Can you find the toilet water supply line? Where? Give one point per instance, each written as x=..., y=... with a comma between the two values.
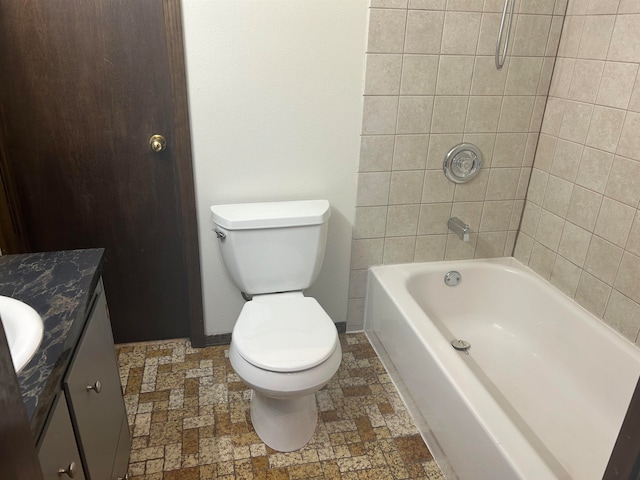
x=502, y=57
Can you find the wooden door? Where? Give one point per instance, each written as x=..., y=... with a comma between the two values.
x=84, y=84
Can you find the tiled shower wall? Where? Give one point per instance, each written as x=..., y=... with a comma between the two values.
x=430, y=84
x=581, y=223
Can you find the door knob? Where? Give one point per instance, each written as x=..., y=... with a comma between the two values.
x=157, y=143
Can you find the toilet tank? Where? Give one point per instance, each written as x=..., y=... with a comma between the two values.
x=275, y=246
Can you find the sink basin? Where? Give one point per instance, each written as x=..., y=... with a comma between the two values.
x=23, y=328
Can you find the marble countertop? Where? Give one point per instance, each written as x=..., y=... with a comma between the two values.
x=59, y=286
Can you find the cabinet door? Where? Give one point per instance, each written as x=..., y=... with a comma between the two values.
x=58, y=449
x=94, y=392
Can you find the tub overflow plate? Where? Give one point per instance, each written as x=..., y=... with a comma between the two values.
x=452, y=278
x=461, y=345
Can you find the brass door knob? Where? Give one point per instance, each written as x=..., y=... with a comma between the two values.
x=157, y=143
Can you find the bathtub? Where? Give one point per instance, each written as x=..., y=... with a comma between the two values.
x=541, y=392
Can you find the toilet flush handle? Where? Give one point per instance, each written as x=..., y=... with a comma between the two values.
x=220, y=234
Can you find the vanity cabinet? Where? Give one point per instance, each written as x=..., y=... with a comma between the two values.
x=58, y=453
x=93, y=394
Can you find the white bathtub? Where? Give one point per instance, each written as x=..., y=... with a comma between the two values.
x=543, y=390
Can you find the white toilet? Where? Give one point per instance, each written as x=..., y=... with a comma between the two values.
x=284, y=345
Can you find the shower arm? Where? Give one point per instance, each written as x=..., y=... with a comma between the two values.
x=501, y=58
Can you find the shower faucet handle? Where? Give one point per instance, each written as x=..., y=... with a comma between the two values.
x=459, y=228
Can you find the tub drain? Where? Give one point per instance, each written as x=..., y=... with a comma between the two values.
x=461, y=345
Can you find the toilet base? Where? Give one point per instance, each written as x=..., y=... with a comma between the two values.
x=284, y=424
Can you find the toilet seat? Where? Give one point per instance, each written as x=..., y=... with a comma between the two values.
x=284, y=332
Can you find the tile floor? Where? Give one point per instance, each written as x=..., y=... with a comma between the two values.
x=190, y=420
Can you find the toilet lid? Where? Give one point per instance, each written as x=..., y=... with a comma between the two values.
x=286, y=334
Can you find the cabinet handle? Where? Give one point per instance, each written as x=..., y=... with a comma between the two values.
x=70, y=470
x=96, y=387
x=126, y=477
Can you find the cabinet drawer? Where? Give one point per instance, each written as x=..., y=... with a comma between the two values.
x=95, y=395
x=58, y=449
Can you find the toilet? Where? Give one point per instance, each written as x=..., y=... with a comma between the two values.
x=284, y=345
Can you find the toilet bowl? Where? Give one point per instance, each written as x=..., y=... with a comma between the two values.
x=287, y=368
x=284, y=345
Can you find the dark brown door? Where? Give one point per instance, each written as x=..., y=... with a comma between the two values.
x=84, y=84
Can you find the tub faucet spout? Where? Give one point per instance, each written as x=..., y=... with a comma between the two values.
x=459, y=228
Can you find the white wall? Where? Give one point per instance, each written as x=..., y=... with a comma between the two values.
x=275, y=98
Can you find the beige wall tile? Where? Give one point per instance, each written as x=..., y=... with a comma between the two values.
x=379, y=115
x=553, y=116
x=469, y=212
x=436, y=187
x=629, y=6
x=538, y=6
x=606, y=125
x=424, y=31
x=575, y=121
x=490, y=244
x=601, y=7
x=523, y=76
x=376, y=153
x=603, y=259
x=574, y=243
x=625, y=41
x=399, y=249
x=382, y=76
x=433, y=218
x=461, y=41
x=515, y=115
x=565, y=276
x=496, y=216
x=459, y=250
x=486, y=79
x=593, y=171
x=388, y=3
x=593, y=294
x=571, y=34
x=622, y=184
x=357, y=283
x=489, y=27
x=419, y=75
x=554, y=36
x=531, y=35
x=439, y=145
x=628, y=278
x=503, y=183
x=454, y=75
x=584, y=207
x=410, y=152
x=430, y=248
x=406, y=187
x=562, y=75
x=546, y=75
x=545, y=152
x=414, y=114
x=634, y=103
x=465, y=5
x=549, y=230
x=623, y=314
x=557, y=196
x=542, y=260
x=522, y=250
x=370, y=222
x=509, y=150
x=586, y=80
x=617, y=84
x=366, y=252
x=629, y=145
x=473, y=191
x=614, y=222
x=566, y=159
x=483, y=114
x=428, y=4
x=373, y=188
x=449, y=114
x=633, y=243
x=537, y=186
x=386, y=30
x=402, y=220
x=596, y=35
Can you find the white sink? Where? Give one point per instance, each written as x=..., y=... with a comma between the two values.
x=23, y=328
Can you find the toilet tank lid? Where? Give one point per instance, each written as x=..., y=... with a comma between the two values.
x=244, y=216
